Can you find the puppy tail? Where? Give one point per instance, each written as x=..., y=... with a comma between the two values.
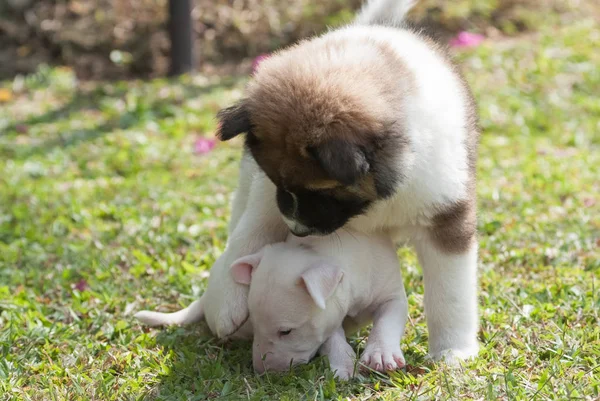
x=384, y=12
x=192, y=314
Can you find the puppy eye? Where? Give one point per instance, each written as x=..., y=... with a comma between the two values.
x=284, y=332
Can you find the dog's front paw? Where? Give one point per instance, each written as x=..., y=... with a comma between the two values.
x=226, y=303
x=344, y=369
x=232, y=315
x=383, y=358
x=454, y=356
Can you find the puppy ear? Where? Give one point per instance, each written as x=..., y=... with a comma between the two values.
x=321, y=280
x=233, y=121
x=342, y=160
x=241, y=269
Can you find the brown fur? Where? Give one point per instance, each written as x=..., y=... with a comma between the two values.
x=473, y=129
x=292, y=109
x=356, y=97
x=454, y=228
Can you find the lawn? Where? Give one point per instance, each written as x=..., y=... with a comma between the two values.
x=107, y=208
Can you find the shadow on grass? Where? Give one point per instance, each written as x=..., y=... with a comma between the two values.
x=80, y=101
x=201, y=367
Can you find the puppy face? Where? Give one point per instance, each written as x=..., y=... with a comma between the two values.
x=290, y=315
x=326, y=134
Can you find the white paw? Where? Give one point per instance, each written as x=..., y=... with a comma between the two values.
x=226, y=306
x=231, y=317
x=343, y=370
x=453, y=356
x=383, y=358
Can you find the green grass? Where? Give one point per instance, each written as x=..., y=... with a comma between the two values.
x=105, y=210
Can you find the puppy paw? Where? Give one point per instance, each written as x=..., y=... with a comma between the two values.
x=226, y=306
x=343, y=370
x=453, y=356
x=383, y=358
x=232, y=316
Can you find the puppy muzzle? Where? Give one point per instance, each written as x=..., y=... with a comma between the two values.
x=299, y=229
x=278, y=361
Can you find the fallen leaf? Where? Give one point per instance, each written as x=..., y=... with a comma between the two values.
x=23, y=51
x=5, y=95
x=415, y=370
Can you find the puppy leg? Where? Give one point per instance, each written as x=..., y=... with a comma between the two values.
x=340, y=354
x=450, y=300
x=383, y=352
x=226, y=306
x=248, y=170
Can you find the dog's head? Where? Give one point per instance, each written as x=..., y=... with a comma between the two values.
x=325, y=131
x=290, y=287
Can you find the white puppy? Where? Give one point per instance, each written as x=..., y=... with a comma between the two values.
x=304, y=292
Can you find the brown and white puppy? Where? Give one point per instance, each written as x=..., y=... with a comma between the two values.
x=368, y=127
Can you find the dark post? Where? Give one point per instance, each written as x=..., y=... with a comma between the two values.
x=181, y=35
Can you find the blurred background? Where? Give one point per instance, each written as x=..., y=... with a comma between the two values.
x=107, y=39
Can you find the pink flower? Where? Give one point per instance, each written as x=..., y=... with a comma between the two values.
x=466, y=39
x=259, y=59
x=81, y=285
x=204, y=145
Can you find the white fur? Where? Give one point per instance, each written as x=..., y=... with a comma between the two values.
x=192, y=314
x=260, y=224
x=436, y=175
x=345, y=275
x=450, y=301
x=340, y=354
x=437, y=169
x=296, y=226
x=392, y=11
x=248, y=171
x=310, y=285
